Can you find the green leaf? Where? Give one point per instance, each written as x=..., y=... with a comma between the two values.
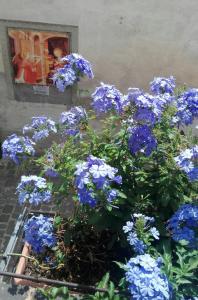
x=122, y=195
x=111, y=290
x=193, y=264
x=120, y=265
x=184, y=281
x=54, y=292
x=103, y=283
x=57, y=221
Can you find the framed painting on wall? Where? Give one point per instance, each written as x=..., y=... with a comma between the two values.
x=35, y=55
x=32, y=52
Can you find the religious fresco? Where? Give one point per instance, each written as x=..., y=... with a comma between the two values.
x=35, y=55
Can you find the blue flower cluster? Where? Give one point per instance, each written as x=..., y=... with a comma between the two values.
x=70, y=121
x=188, y=162
x=161, y=85
x=41, y=127
x=145, y=279
x=64, y=77
x=80, y=64
x=187, y=107
x=142, y=140
x=148, y=112
x=149, y=107
x=95, y=175
x=33, y=189
x=140, y=232
x=184, y=223
x=107, y=98
x=39, y=233
x=17, y=148
x=76, y=66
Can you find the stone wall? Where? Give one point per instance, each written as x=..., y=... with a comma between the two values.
x=129, y=42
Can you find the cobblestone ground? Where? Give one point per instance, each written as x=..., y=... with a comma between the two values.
x=9, y=208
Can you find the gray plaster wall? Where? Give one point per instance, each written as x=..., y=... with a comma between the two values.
x=128, y=42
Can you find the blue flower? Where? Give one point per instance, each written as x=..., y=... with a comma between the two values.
x=75, y=67
x=112, y=195
x=161, y=85
x=87, y=196
x=149, y=108
x=139, y=232
x=17, y=148
x=184, y=223
x=39, y=233
x=95, y=175
x=145, y=115
x=51, y=172
x=49, y=164
x=41, y=127
x=141, y=140
x=71, y=121
x=187, y=161
x=107, y=98
x=33, y=189
x=139, y=246
x=155, y=233
x=145, y=279
x=64, y=77
x=80, y=64
x=128, y=227
x=187, y=107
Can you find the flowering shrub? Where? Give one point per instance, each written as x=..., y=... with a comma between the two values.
x=39, y=233
x=33, y=189
x=122, y=176
x=17, y=148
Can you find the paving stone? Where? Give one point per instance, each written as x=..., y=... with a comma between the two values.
x=11, y=225
x=7, y=209
x=3, y=226
x=4, y=218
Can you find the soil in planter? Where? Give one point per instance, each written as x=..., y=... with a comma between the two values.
x=88, y=255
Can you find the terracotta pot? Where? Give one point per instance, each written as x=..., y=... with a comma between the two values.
x=21, y=266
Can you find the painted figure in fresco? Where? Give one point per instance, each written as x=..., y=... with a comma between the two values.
x=26, y=68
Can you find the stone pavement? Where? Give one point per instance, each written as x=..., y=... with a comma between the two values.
x=9, y=207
